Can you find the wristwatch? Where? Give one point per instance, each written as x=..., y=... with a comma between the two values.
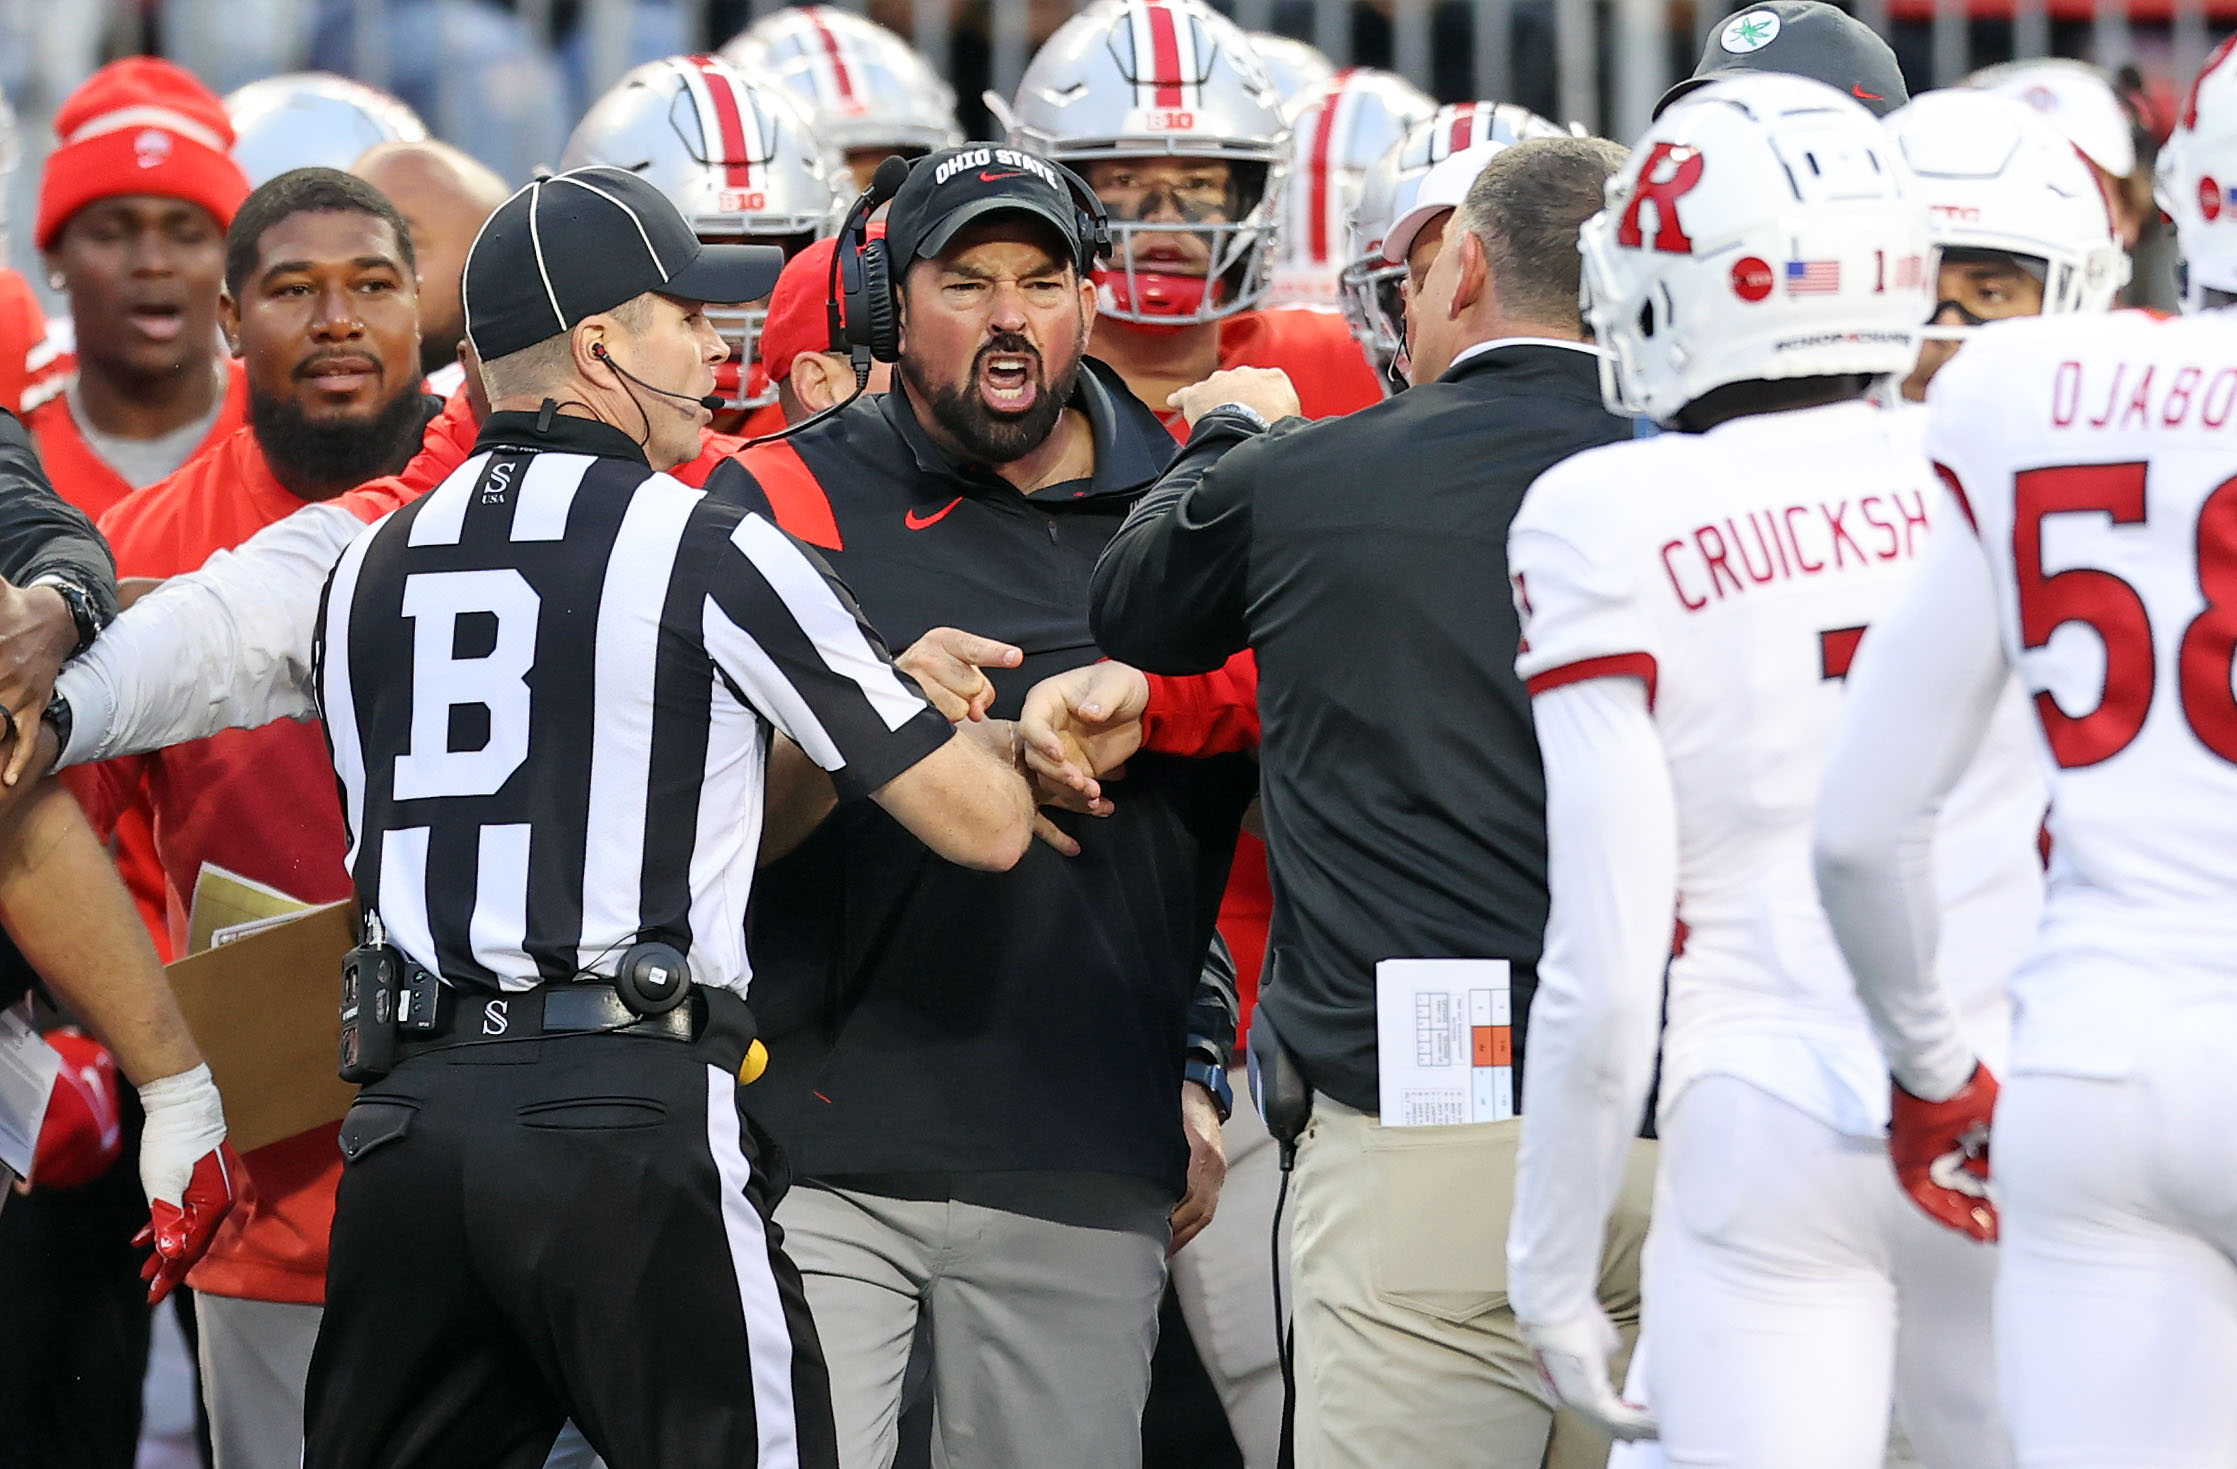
x=1213, y=1078
x=59, y=715
x=83, y=613
x=1247, y=413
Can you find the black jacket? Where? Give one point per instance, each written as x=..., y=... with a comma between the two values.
x=923, y=1019
x=42, y=533
x=1365, y=560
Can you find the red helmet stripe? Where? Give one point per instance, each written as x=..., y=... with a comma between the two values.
x=729, y=125
x=1463, y=125
x=1165, y=56
x=840, y=77
x=1324, y=138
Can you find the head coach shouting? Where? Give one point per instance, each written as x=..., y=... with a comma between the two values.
x=984, y=1078
x=550, y=685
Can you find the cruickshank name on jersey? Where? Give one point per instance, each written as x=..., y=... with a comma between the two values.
x=1790, y=542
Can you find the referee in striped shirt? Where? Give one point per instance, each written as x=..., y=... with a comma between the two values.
x=551, y=686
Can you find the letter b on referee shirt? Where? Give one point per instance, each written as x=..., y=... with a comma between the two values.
x=491, y=615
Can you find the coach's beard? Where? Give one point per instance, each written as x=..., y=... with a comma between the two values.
x=985, y=433
x=319, y=460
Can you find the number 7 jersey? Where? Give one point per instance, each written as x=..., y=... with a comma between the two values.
x=2097, y=460
x=1734, y=573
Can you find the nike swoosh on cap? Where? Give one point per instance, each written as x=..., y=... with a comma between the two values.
x=986, y=177
x=925, y=522
x=1856, y=89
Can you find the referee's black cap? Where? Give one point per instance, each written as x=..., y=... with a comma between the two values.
x=585, y=241
x=1803, y=38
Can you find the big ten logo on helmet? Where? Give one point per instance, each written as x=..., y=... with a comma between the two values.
x=1670, y=173
x=740, y=201
x=1159, y=120
x=992, y=158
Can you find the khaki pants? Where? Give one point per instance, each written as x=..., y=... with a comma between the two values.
x=1407, y=1352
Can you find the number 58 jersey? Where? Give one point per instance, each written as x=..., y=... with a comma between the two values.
x=1734, y=573
x=2097, y=460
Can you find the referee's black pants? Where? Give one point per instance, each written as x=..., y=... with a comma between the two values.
x=569, y=1227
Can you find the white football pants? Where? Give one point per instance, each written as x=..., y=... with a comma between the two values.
x=2117, y=1310
x=1793, y=1293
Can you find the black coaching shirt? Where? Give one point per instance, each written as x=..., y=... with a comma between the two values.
x=549, y=685
x=923, y=1019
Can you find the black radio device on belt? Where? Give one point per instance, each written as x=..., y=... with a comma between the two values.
x=382, y=993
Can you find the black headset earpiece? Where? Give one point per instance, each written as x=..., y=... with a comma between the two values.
x=864, y=320
x=1094, y=220
x=881, y=310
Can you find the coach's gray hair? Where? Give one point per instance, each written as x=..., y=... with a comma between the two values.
x=537, y=369
x=1526, y=208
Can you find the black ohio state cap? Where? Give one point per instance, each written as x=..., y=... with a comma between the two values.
x=585, y=241
x=947, y=190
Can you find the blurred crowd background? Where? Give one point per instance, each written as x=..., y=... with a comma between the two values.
x=507, y=79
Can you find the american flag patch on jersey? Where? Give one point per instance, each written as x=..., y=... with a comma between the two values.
x=1812, y=277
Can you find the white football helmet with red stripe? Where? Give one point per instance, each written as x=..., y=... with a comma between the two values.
x=1372, y=292
x=1127, y=79
x=2196, y=182
x=1766, y=227
x=1298, y=69
x=1997, y=176
x=737, y=158
x=1356, y=117
x=313, y=119
x=865, y=88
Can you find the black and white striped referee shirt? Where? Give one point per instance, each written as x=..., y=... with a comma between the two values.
x=549, y=685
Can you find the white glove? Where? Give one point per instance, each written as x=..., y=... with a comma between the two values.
x=189, y=1172
x=1573, y=1363
x=186, y=1120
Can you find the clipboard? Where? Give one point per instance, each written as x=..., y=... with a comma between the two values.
x=266, y=1011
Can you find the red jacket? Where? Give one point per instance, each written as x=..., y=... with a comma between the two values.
x=1218, y=713
x=30, y=367
x=84, y=478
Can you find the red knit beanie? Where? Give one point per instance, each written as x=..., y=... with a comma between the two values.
x=140, y=126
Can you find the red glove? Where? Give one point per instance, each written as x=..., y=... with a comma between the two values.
x=189, y=1172
x=1940, y=1152
x=83, y=1133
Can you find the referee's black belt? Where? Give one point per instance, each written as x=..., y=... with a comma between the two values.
x=573, y=1007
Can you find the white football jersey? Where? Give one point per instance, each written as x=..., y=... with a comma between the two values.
x=1735, y=572
x=2097, y=458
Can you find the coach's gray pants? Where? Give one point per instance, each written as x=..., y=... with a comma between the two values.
x=255, y=1356
x=1042, y=1323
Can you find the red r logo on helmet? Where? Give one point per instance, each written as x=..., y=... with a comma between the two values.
x=1671, y=171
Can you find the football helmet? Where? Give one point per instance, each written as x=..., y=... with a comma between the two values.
x=738, y=159
x=1372, y=290
x=2196, y=180
x=1996, y=176
x=1765, y=227
x=1126, y=79
x=1298, y=69
x=313, y=119
x=2074, y=97
x=1343, y=128
x=865, y=89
